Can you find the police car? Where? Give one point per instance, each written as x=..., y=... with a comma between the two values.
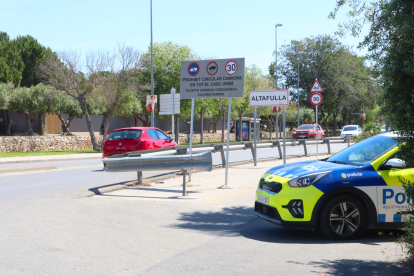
x=358, y=188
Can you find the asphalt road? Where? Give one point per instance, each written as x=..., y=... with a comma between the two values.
x=51, y=226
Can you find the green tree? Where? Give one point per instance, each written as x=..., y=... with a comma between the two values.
x=347, y=82
x=22, y=101
x=65, y=104
x=65, y=72
x=11, y=63
x=6, y=90
x=391, y=47
x=167, y=70
x=32, y=54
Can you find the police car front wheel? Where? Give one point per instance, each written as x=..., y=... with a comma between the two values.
x=342, y=217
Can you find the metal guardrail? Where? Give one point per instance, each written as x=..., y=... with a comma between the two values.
x=213, y=148
x=200, y=162
x=164, y=159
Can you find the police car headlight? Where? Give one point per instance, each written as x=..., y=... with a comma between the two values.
x=306, y=180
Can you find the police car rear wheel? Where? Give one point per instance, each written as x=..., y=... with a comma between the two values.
x=343, y=217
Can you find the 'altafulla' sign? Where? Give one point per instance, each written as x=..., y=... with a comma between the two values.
x=269, y=98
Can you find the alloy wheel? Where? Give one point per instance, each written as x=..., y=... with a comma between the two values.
x=345, y=218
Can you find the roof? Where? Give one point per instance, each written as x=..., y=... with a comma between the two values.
x=132, y=128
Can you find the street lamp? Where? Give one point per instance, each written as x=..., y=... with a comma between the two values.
x=284, y=117
x=299, y=53
x=152, y=68
x=277, y=119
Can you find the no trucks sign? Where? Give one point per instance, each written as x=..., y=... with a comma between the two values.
x=218, y=78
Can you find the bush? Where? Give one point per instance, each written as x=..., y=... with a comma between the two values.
x=371, y=129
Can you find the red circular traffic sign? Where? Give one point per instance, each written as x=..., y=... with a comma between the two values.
x=212, y=68
x=231, y=67
x=316, y=99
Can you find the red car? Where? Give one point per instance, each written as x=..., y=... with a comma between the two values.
x=129, y=139
x=308, y=131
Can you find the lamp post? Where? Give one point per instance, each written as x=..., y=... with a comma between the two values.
x=299, y=53
x=277, y=119
x=152, y=69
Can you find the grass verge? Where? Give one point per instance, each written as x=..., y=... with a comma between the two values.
x=45, y=153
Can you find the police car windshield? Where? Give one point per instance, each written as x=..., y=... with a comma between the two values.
x=364, y=152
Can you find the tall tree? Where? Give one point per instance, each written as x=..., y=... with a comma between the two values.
x=344, y=77
x=11, y=63
x=113, y=93
x=167, y=70
x=65, y=72
x=32, y=54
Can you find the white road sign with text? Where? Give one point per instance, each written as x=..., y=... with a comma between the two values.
x=218, y=78
x=269, y=98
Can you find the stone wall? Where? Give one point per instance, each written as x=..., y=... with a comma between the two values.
x=208, y=137
x=44, y=143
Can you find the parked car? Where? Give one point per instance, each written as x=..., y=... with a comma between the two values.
x=359, y=188
x=350, y=131
x=308, y=131
x=125, y=140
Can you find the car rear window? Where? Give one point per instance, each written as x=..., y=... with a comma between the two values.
x=350, y=128
x=125, y=135
x=306, y=127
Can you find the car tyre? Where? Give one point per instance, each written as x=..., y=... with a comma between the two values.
x=342, y=218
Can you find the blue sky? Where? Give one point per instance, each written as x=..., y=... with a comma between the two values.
x=214, y=28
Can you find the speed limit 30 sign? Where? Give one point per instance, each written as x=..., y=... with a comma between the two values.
x=316, y=99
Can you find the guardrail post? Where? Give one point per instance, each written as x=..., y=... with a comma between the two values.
x=139, y=176
x=184, y=184
x=249, y=145
x=221, y=149
x=347, y=140
x=277, y=143
x=303, y=142
x=182, y=151
x=326, y=141
x=293, y=142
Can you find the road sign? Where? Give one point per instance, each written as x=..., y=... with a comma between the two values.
x=316, y=87
x=316, y=99
x=212, y=68
x=363, y=116
x=269, y=98
x=166, y=104
x=193, y=69
x=218, y=78
x=231, y=67
x=276, y=109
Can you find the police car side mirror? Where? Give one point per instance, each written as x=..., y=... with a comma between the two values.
x=394, y=163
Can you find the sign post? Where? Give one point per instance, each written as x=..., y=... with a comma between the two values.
x=271, y=98
x=276, y=109
x=170, y=105
x=219, y=78
x=316, y=99
x=191, y=134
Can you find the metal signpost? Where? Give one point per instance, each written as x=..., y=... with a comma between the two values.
x=316, y=99
x=276, y=109
x=168, y=104
x=218, y=78
x=270, y=98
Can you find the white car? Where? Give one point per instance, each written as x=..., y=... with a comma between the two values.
x=350, y=131
x=383, y=128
